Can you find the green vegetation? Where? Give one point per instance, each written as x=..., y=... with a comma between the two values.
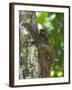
x=54, y=23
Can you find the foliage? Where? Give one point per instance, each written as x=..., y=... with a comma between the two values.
x=54, y=23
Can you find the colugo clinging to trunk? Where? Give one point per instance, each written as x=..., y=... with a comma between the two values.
x=45, y=55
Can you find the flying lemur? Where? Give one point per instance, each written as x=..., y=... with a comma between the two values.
x=45, y=54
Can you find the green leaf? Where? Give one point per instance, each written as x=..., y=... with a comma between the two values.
x=41, y=17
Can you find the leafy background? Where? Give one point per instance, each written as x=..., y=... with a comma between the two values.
x=54, y=23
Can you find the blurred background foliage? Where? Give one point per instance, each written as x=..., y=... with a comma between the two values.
x=54, y=23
